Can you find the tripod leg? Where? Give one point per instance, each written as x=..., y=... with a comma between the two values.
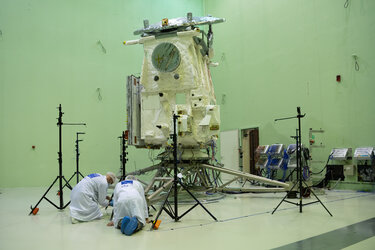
x=67, y=204
x=169, y=210
x=317, y=198
x=110, y=219
x=290, y=174
x=198, y=202
x=284, y=198
x=162, y=207
x=53, y=204
x=32, y=208
x=67, y=182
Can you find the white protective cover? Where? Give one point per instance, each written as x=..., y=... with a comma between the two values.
x=129, y=200
x=199, y=115
x=86, y=195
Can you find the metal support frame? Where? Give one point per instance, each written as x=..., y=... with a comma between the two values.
x=163, y=179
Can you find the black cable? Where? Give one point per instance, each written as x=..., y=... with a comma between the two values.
x=346, y=4
x=356, y=65
x=320, y=170
x=329, y=157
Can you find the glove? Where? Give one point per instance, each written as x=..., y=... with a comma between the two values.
x=111, y=203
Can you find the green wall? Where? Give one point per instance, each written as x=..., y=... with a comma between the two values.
x=277, y=55
x=274, y=56
x=50, y=55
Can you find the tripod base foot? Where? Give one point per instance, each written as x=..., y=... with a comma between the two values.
x=35, y=211
x=156, y=224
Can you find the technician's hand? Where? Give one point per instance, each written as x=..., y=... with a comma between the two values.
x=110, y=224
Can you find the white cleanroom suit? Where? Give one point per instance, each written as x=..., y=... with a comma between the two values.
x=129, y=200
x=86, y=195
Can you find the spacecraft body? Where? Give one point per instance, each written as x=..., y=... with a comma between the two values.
x=175, y=79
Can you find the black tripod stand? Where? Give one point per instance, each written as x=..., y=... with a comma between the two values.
x=173, y=213
x=77, y=173
x=300, y=181
x=124, y=139
x=123, y=159
x=60, y=177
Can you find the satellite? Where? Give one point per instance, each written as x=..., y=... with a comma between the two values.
x=176, y=80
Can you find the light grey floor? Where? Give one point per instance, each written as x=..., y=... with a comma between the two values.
x=245, y=222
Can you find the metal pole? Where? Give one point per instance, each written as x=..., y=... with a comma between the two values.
x=299, y=171
x=175, y=165
x=77, y=159
x=60, y=157
x=299, y=158
x=123, y=155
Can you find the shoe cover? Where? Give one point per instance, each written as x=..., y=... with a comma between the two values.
x=124, y=223
x=132, y=226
